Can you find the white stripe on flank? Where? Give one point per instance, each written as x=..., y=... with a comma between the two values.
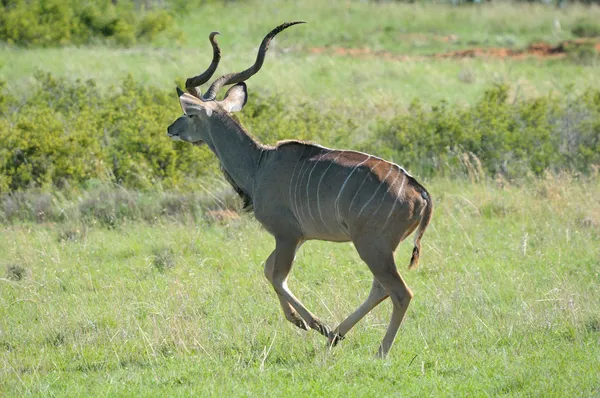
x=336, y=204
x=308, y=185
x=299, y=203
x=292, y=180
x=395, y=179
x=363, y=183
x=402, y=185
x=395, y=202
x=377, y=190
x=387, y=190
x=319, y=187
x=298, y=179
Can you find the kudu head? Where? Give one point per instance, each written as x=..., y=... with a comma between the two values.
x=198, y=109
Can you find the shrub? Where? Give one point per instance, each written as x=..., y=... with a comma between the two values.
x=60, y=22
x=586, y=28
x=269, y=117
x=3, y=97
x=535, y=135
x=582, y=53
x=72, y=136
x=67, y=133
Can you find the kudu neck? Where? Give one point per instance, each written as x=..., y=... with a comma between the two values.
x=237, y=151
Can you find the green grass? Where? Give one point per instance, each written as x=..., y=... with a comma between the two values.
x=506, y=302
x=507, y=298
x=392, y=26
x=361, y=85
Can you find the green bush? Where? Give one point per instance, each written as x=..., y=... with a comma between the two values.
x=582, y=53
x=3, y=97
x=586, y=28
x=60, y=22
x=535, y=135
x=273, y=121
x=68, y=133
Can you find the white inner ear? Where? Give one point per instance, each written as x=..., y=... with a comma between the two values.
x=235, y=99
x=191, y=107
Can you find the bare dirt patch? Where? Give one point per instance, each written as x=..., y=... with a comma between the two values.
x=534, y=50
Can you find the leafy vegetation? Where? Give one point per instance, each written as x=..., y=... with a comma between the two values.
x=586, y=27
x=67, y=133
x=60, y=22
x=514, y=139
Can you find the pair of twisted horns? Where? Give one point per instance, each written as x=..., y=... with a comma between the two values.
x=193, y=83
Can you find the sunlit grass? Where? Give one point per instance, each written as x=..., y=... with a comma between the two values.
x=359, y=85
x=506, y=301
x=393, y=26
x=362, y=85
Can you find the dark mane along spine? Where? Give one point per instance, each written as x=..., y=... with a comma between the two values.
x=246, y=198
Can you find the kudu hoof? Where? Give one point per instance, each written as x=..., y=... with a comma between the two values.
x=334, y=339
x=300, y=323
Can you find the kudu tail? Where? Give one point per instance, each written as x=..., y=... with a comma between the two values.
x=425, y=219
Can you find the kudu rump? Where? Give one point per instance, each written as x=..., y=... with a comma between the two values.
x=301, y=191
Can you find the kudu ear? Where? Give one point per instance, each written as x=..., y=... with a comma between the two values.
x=191, y=105
x=236, y=98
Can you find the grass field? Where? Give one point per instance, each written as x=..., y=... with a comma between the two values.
x=293, y=69
x=506, y=302
x=507, y=298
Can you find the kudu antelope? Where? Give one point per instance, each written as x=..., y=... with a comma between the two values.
x=301, y=191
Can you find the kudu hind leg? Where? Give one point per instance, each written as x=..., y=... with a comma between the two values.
x=283, y=257
x=289, y=312
x=376, y=296
x=382, y=265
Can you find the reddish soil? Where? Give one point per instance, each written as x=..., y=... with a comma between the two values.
x=536, y=50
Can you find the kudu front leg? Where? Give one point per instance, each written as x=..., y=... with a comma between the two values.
x=281, y=261
x=289, y=312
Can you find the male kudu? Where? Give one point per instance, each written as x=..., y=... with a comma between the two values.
x=300, y=191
